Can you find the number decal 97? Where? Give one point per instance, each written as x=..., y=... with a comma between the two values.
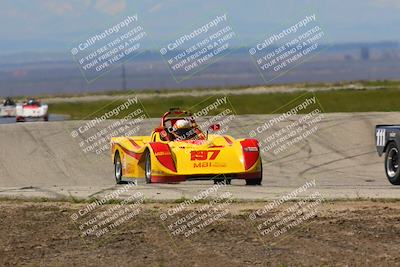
x=204, y=154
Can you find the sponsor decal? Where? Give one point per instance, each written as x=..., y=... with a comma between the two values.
x=209, y=164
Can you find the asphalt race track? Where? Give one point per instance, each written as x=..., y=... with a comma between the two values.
x=42, y=160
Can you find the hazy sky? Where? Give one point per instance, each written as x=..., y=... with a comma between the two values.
x=42, y=25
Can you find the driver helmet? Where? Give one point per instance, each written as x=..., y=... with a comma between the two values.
x=182, y=124
x=182, y=129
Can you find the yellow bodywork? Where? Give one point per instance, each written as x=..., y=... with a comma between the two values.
x=215, y=156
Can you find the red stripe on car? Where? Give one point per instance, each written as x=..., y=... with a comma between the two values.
x=228, y=140
x=130, y=153
x=250, y=154
x=133, y=143
x=164, y=155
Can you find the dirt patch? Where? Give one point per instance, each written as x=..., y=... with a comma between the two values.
x=340, y=233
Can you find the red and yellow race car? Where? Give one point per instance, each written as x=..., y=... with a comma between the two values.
x=178, y=150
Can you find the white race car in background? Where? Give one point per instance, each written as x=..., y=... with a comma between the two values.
x=32, y=109
x=8, y=108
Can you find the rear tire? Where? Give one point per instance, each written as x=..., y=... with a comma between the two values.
x=118, y=168
x=20, y=119
x=147, y=168
x=256, y=181
x=392, y=164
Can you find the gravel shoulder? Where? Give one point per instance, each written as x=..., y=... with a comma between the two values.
x=357, y=233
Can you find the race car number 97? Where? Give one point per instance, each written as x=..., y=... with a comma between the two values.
x=204, y=154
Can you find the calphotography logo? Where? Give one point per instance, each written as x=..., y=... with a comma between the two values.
x=281, y=217
x=290, y=127
x=124, y=119
x=105, y=50
x=99, y=220
x=194, y=51
x=283, y=50
x=195, y=215
x=215, y=115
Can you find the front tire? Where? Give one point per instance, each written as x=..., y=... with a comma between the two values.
x=118, y=169
x=147, y=168
x=392, y=164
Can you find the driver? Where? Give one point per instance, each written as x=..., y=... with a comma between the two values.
x=183, y=130
x=8, y=102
